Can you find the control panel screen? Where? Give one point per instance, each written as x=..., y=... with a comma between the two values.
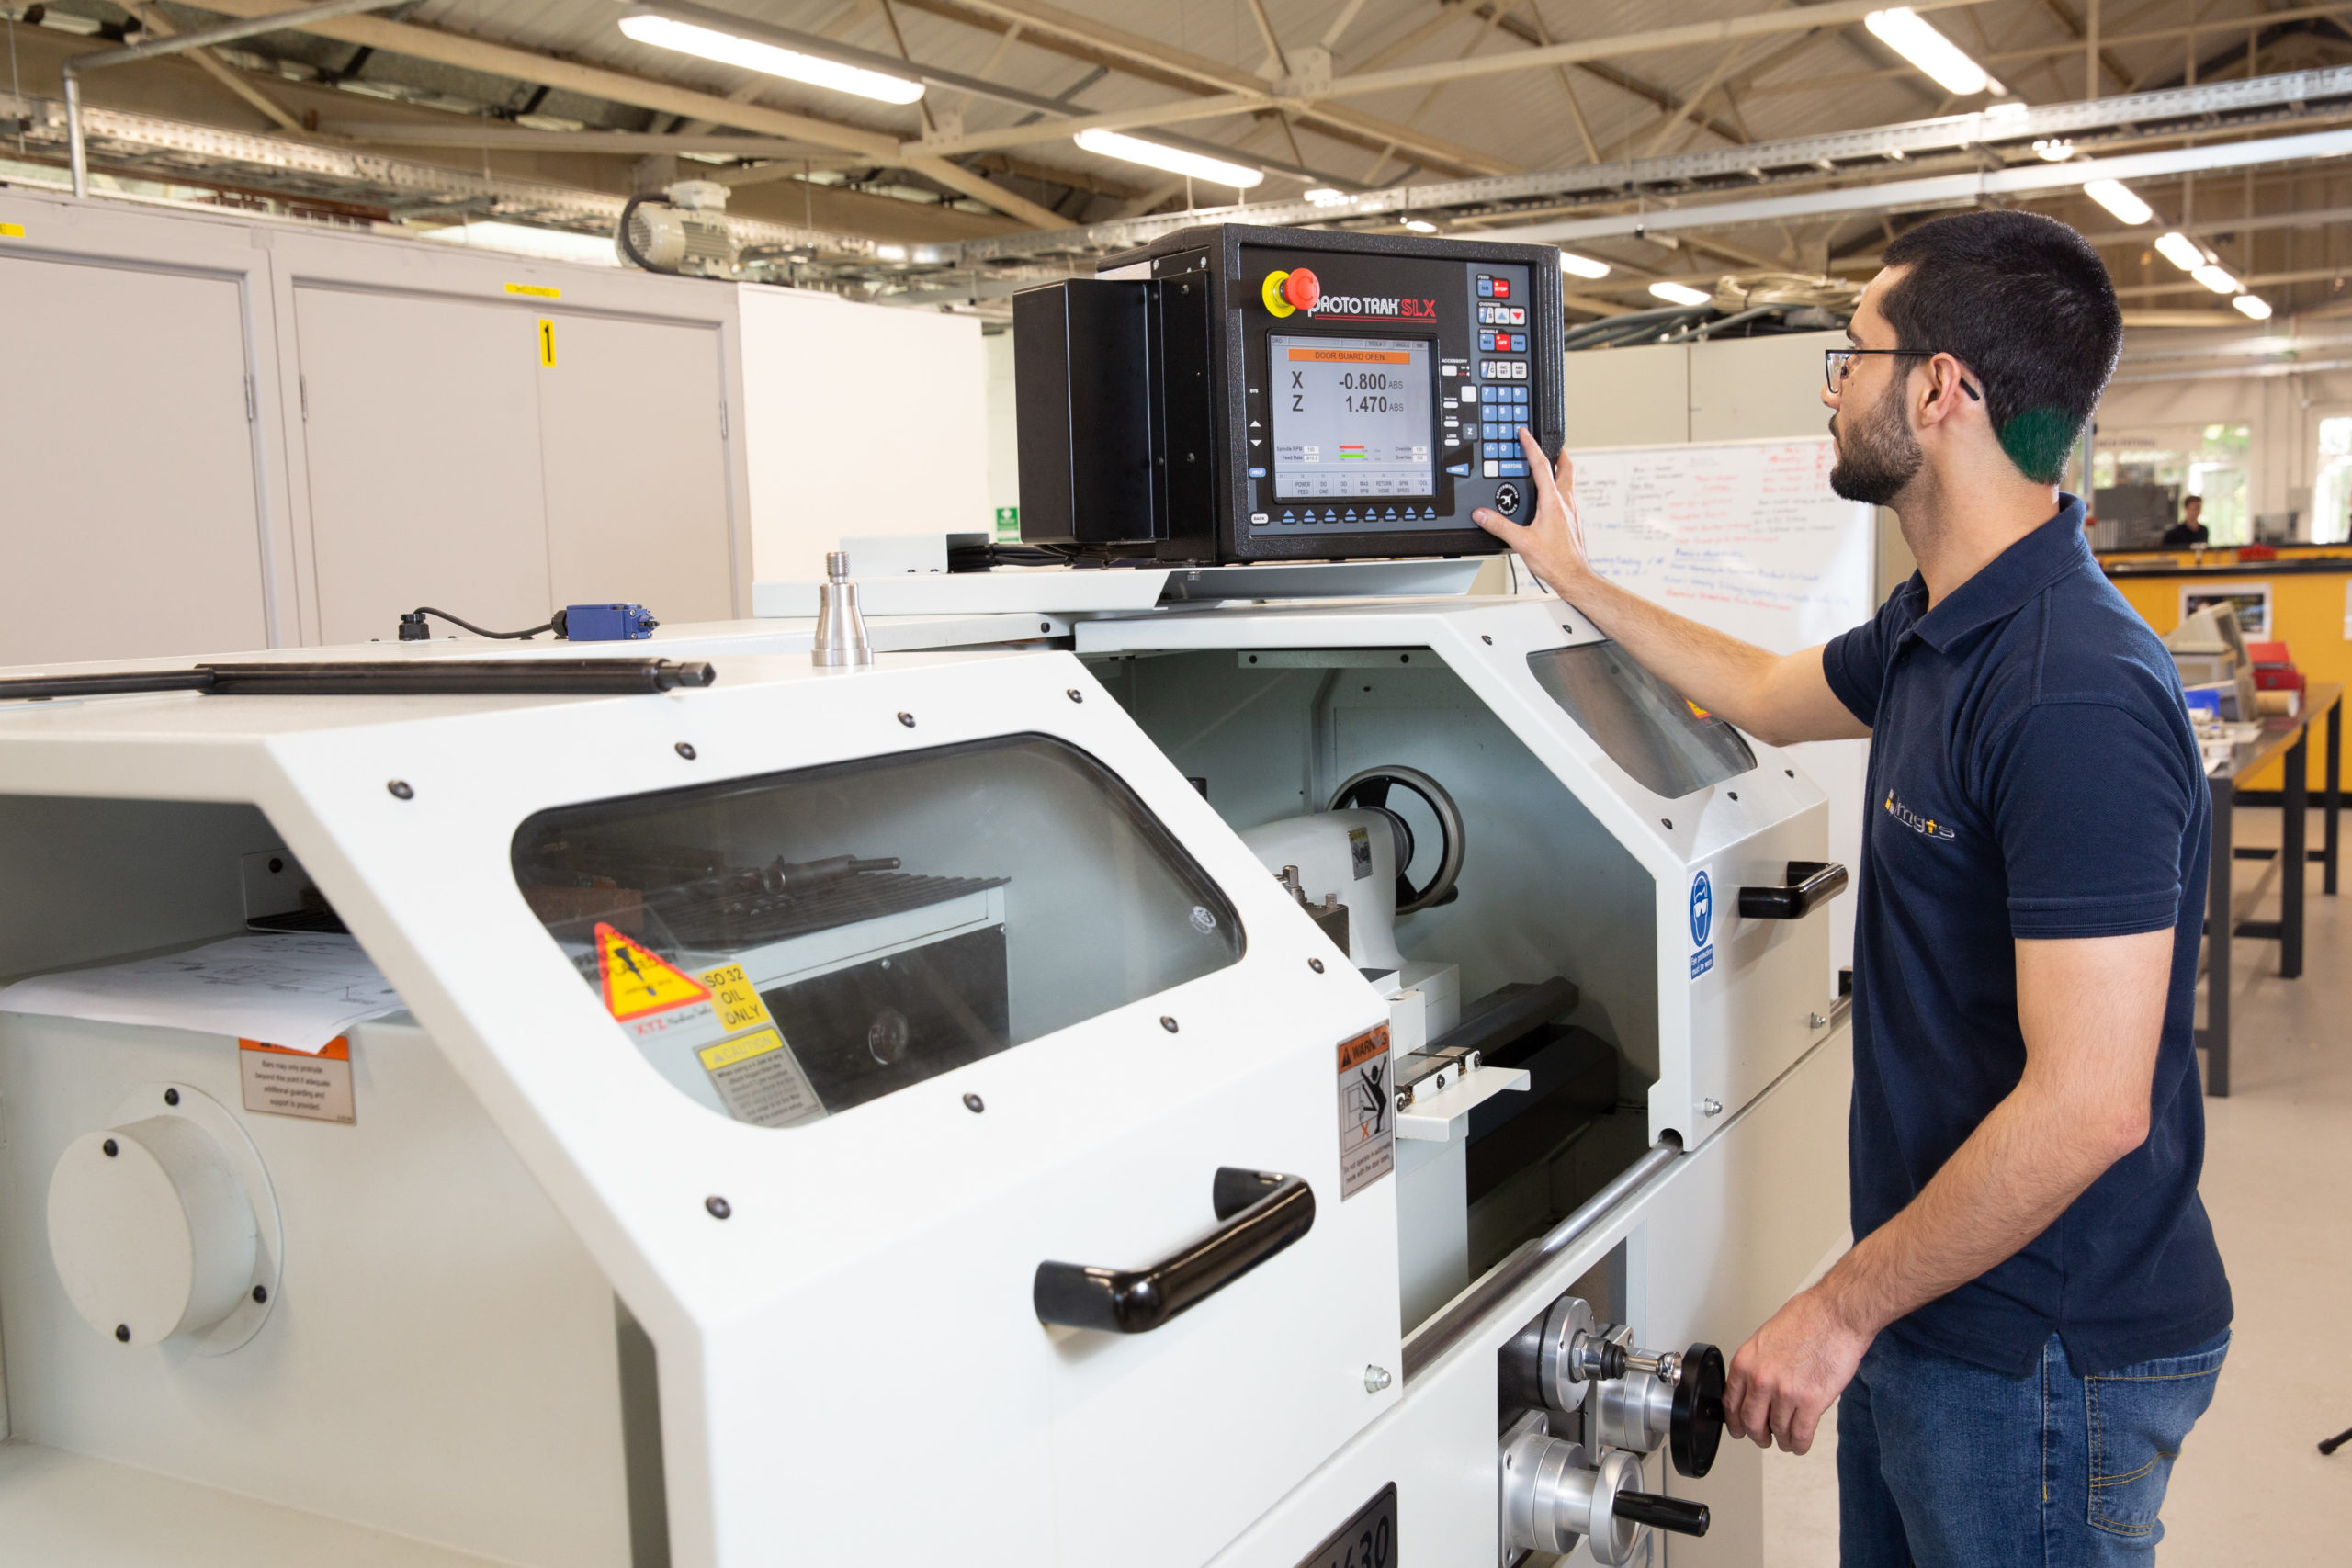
x=1354, y=416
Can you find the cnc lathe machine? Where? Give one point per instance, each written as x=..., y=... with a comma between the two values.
x=1152, y=1067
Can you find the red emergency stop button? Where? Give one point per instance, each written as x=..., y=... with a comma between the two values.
x=1303, y=288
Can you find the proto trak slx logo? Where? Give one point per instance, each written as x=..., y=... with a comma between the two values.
x=1374, y=307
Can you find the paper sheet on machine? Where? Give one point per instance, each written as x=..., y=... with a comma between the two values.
x=292, y=991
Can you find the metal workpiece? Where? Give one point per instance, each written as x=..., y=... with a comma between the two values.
x=1554, y=1494
x=840, y=639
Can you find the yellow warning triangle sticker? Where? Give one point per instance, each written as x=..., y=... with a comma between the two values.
x=637, y=981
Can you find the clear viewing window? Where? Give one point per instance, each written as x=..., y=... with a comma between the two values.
x=1669, y=743
x=786, y=947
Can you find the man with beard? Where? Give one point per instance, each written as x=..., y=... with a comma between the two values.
x=2034, y=1313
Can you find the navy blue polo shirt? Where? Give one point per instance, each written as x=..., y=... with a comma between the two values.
x=2032, y=775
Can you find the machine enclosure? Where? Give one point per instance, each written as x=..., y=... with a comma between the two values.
x=1143, y=414
x=513, y=1326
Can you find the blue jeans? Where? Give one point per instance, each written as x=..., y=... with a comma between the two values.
x=1944, y=1464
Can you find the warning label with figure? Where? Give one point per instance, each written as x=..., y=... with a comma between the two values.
x=280, y=1081
x=637, y=981
x=1367, y=1113
x=716, y=1018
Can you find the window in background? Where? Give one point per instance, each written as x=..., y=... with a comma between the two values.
x=2331, y=482
x=2217, y=470
x=2211, y=461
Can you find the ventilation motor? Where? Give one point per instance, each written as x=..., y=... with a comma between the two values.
x=682, y=231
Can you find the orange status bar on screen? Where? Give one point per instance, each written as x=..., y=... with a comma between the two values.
x=1351, y=355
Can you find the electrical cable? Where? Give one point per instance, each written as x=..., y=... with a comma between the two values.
x=412, y=626
x=629, y=244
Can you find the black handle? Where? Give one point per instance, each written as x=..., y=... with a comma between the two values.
x=1811, y=883
x=1696, y=1430
x=1675, y=1513
x=1260, y=1213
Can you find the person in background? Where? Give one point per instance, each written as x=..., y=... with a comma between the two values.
x=2190, y=529
x=2033, y=1313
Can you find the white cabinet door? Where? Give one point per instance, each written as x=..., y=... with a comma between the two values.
x=421, y=431
x=635, y=467
x=128, y=520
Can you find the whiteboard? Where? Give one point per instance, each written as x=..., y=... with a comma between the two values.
x=1745, y=537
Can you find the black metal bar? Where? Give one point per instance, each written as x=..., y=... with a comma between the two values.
x=407, y=677
x=1260, y=1213
x=2216, y=1039
x=2335, y=790
x=1660, y=1512
x=2298, y=827
x=1810, y=884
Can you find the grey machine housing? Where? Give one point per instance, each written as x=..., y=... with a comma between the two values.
x=1144, y=426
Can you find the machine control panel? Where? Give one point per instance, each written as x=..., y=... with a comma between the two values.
x=1294, y=394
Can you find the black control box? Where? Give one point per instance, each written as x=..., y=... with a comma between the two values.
x=1234, y=394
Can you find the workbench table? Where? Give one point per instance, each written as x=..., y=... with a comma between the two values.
x=2289, y=737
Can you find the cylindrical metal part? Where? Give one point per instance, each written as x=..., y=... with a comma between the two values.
x=1634, y=1412
x=1553, y=1496
x=77, y=151
x=1469, y=1310
x=841, y=637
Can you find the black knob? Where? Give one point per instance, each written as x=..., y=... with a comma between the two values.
x=1675, y=1513
x=1698, y=1426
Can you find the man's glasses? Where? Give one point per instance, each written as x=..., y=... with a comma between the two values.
x=1836, y=362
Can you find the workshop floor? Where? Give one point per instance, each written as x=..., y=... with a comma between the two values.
x=2251, y=1486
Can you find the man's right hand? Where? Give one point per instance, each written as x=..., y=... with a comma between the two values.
x=1552, y=541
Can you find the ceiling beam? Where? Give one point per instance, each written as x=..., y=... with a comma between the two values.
x=1726, y=31
x=1138, y=55
x=618, y=86
x=1532, y=32
x=1944, y=190
x=1340, y=127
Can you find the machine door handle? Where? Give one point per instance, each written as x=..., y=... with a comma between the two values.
x=1259, y=1213
x=1811, y=883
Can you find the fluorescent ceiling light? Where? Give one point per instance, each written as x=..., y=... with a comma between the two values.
x=730, y=49
x=1174, y=160
x=1679, y=294
x=2117, y=198
x=2181, y=251
x=1915, y=38
x=1583, y=267
x=1323, y=196
x=2254, y=305
x=2054, y=150
x=1420, y=225
x=2216, y=280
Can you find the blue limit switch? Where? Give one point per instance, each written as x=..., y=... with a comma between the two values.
x=604, y=623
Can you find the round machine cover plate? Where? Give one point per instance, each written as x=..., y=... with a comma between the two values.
x=124, y=1248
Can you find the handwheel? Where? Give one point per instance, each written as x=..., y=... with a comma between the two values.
x=1369, y=789
x=1698, y=1428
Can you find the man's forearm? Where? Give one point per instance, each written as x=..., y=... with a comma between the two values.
x=2016, y=1173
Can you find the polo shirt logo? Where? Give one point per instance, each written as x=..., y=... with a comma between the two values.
x=1927, y=826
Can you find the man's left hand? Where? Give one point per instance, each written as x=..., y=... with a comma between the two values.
x=1789, y=1370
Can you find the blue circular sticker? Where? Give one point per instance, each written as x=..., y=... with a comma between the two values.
x=1702, y=909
